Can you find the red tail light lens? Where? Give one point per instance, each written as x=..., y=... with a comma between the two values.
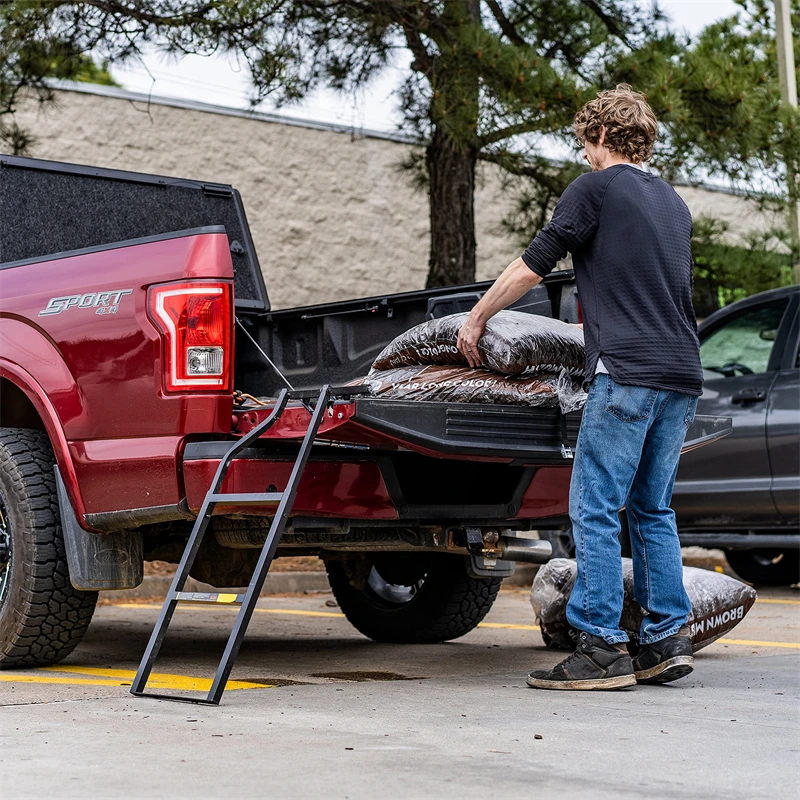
x=195, y=320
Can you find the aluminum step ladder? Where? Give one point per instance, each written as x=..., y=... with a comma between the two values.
x=214, y=497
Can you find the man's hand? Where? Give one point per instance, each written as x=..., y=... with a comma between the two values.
x=468, y=338
x=507, y=289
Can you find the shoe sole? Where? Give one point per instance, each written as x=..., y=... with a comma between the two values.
x=670, y=670
x=620, y=682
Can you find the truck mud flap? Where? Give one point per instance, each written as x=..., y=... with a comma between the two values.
x=98, y=561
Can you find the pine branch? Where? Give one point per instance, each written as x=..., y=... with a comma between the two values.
x=614, y=28
x=505, y=24
x=504, y=133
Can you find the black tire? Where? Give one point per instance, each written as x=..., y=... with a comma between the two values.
x=42, y=617
x=413, y=599
x=766, y=567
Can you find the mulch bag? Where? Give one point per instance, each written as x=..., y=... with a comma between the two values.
x=512, y=344
x=719, y=603
x=466, y=385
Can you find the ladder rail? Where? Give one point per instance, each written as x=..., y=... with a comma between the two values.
x=268, y=552
x=193, y=546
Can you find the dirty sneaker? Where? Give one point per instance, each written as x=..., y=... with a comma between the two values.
x=594, y=665
x=666, y=660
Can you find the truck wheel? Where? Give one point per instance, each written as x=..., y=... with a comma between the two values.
x=766, y=567
x=418, y=598
x=42, y=617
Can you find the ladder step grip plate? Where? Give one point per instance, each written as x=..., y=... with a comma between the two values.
x=239, y=499
x=219, y=598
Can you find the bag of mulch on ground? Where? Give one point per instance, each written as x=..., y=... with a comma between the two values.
x=512, y=344
x=464, y=385
x=719, y=603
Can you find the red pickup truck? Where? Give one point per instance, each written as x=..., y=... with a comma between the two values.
x=133, y=320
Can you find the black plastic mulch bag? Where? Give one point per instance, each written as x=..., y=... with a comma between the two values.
x=465, y=385
x=512, y=344
x=719, y=603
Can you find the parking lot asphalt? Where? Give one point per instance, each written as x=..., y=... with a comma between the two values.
x=315, y=710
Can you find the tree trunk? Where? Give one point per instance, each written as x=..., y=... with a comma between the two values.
x=451, y=171
x=453, y=150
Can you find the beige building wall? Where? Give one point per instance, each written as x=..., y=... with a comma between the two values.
x=331, y=215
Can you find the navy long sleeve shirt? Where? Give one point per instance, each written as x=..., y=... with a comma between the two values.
x=629, y=234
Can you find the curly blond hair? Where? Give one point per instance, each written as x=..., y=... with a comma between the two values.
x=631, y=126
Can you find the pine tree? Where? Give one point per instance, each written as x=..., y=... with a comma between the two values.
x=490, y=79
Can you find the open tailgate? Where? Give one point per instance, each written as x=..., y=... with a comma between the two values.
x=525, y=435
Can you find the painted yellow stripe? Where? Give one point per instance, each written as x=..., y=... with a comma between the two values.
x=757, y=643
x=212, y=607
x=508, y=625
x=12, y=678
x=778, y=602
x=175, y=681
x=301, y=613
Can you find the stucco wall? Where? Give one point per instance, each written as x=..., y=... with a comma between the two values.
x=332, y=218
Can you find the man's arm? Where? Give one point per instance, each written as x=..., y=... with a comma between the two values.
x=574, y=222
x=517, y=278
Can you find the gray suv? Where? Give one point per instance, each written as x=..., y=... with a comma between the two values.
x=742, y=494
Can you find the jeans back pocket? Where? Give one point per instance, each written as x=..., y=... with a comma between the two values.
x=629, y=403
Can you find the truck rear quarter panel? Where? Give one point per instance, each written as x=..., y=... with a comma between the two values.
x=102, y=370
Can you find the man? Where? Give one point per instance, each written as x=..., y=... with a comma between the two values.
x=628, y=232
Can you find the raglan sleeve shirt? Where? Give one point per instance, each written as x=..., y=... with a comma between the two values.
x=573, y=223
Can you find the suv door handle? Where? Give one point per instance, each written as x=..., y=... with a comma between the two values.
x=749, y=395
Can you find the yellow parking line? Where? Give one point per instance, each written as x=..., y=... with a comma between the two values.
x=117, y=677
x=778, y=602
x=12, y=678
x=757, y=643
x=300, y=613
x=508, y=625
x=210, y=607
x=166, y=679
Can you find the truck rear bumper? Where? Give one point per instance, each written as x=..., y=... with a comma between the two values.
x=369, y=487
x=424, y=462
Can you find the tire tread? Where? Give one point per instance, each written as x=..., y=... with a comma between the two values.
x=47, y=617
x=452, y=608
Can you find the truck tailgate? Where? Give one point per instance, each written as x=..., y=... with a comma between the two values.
x=532, y=436
x=526, y=435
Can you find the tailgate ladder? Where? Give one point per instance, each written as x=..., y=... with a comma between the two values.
x=214, y=497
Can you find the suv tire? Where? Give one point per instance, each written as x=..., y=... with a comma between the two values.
x=766, y=567
x=412, y=599
x=42, y=616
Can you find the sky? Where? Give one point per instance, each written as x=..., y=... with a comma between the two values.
x=221, y=81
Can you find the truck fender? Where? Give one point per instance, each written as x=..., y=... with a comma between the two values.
x=25, y=382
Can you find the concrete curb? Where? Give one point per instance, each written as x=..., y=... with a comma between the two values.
x=276, y=583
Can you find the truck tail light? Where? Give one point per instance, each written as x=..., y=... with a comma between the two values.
x=195, y=320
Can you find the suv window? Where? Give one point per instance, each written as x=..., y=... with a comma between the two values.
x=742, y=345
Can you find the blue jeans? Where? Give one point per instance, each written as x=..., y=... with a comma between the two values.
x=627, y=455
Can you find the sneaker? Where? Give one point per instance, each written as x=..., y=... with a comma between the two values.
x=594, y=665
x=665, y=660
